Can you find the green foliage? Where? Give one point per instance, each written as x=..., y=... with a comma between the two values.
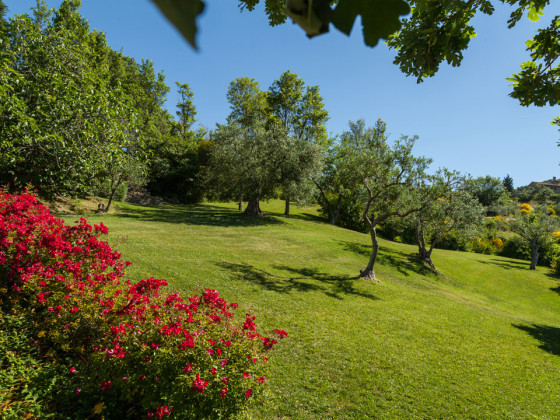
x=507, y=182
x=516, y=247
x=183, y=16
x=436, y=31
x=67, y=117
x=247, y=161
x=486, y=189
x=379, y=19
x=537, y=82
x=451, y=208
x=540, y=194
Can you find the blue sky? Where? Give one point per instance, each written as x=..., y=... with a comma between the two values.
x=463, y=116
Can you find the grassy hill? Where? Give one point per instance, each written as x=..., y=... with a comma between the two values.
x=478, y=339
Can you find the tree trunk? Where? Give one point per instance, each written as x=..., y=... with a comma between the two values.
x=240, y=207
x=368, y=273
x=421, y=242
x=287, y=208
x=535, y=258
x=253, y=207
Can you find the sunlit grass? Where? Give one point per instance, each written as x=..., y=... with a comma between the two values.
x=478, y=339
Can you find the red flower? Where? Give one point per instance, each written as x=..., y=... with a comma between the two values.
x=249, y=393
x=223, y=392
x=105, y=386
x=199, y=384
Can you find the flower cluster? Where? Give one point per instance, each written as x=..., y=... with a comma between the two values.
x=131, y=344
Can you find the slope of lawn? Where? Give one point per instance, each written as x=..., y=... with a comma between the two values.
x=478, y=339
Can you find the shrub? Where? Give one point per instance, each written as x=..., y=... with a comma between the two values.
x=516, y=247
x=482, y=246
x=126, y=349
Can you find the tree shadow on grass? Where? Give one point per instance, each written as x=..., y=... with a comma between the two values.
x=556, y=289
x=403, y=262
x=335, y=285
x=508, y=265
x=548, y=336
x=197, y=214
x=338, y=284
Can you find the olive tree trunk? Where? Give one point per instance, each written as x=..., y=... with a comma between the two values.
x=535, y=254
x=287, y=208
x=253, y=207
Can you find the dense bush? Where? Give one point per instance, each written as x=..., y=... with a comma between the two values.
x=117, y=348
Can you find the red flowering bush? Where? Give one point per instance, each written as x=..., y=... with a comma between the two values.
x=130, y=348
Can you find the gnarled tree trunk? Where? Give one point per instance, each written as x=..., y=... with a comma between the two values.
x=253, y=207
x=535, y=254
x=368, y=273
x=424, y=254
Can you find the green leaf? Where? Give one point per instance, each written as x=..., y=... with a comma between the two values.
x=380, y=18
x=313, y=16
x=535, y=14
x=182, y=14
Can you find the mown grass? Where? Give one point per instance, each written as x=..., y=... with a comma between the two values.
x=478, y=339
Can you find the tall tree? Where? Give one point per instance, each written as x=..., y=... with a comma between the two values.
x=389, y=178
x=58, y=108
x=186, y=110
x=507, y=182
x=486, y=189
x=247, y=102
x=298, y=110
x=248, y=161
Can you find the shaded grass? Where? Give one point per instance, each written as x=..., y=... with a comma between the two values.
x=476, y=339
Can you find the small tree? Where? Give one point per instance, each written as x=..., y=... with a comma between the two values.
x=387, y=178
x=507, y=182
x=535, y=225
x=453, y=210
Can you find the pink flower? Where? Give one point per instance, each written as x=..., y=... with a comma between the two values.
x=72, y=370
x=223, y=362
x=223, y=392
x=187, y=368
x=78, y=390
x=213, y=371
x=225, y=380
x=261, y=379
x=246, y=375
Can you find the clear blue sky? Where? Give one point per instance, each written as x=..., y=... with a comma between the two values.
x=463, y=116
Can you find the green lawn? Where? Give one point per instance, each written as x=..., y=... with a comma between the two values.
x=478, y=339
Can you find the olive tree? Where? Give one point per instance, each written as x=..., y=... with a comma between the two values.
x=535, y=225
x=450, y=209
x=389, y=179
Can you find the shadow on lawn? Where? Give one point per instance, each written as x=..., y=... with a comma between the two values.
x=334, y=286
x=403, y=262
x=508, y=265
x=548, y=336
x=197, y=214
